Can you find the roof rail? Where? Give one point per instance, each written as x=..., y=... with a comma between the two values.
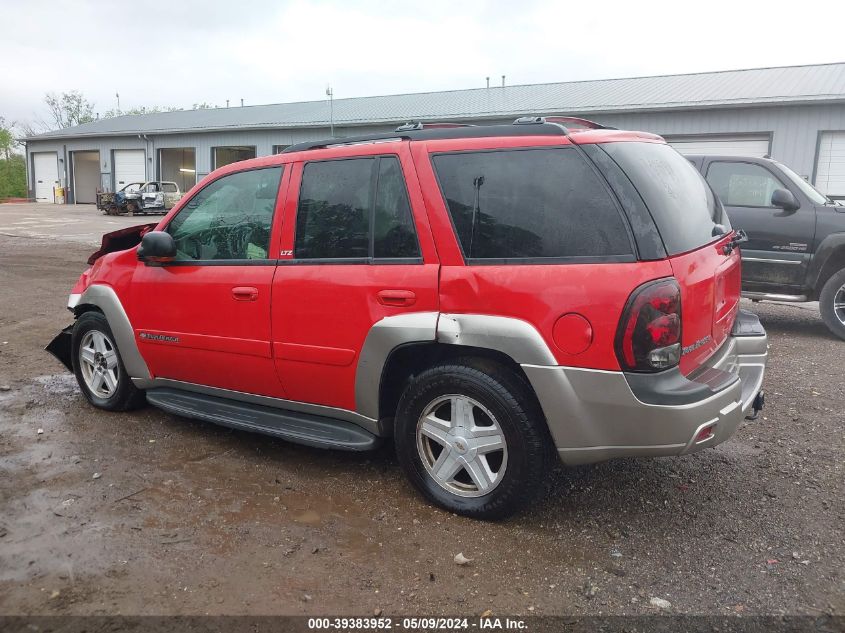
x=562, y=120
x=419, y=125
x=350, y=140
x=435, y=131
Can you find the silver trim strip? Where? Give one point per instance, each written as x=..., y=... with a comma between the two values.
x=105, y=298
x=383, y=337
x=370, y=424
x=772, y=261
x=765, y=296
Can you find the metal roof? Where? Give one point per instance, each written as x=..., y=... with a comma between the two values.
x=791, y=84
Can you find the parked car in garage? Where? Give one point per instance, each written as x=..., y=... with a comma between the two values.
x=796, y=234
x=154, y=196
x=490, y=297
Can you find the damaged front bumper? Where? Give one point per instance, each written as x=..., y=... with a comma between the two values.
x=60, y=347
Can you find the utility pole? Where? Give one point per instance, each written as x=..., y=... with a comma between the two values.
x=117, y=94
x=330, y=95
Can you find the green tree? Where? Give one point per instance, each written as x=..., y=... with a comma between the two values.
x=109, y=114
x=7, y=139
x=13, y=177
x=12, y=164
x=68, y=109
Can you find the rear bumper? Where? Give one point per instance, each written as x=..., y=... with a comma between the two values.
x=595, y=415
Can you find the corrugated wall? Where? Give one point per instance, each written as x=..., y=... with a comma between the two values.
x=794, y=131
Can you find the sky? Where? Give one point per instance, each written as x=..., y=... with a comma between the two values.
x=181, y=52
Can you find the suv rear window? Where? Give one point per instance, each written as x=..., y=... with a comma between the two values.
x=530, y=204
x=680, y=201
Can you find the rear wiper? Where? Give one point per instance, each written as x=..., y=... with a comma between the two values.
x=739, y=237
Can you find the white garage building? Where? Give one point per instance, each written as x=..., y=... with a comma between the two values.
x=794, y=114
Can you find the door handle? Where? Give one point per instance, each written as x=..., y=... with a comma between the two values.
x=245, y=293
x=396, y=297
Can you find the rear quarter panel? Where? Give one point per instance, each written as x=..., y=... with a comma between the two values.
x=541, y=293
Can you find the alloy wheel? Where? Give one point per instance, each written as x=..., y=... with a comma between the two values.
x=98, y=363
x=839, y=304
x=462, y=445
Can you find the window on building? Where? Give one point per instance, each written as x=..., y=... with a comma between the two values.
x=742, y=184
x=530, y=204
x=228, y=219
x=221, y=156
x=354, y=209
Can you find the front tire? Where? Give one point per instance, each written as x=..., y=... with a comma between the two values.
x=832, y=304
x=98, y=367
x=472, y=438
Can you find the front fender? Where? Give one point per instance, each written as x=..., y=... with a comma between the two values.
x=829, y=257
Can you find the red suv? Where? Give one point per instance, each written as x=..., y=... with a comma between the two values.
x=488, y=296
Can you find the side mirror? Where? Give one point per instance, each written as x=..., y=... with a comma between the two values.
x=157, y=247
x=783, y=199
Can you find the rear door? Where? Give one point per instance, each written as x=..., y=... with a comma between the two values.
x=779, y=246
x=360, y=250
x=205, y=317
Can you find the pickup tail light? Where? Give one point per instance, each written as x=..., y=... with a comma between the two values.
x=649, y=334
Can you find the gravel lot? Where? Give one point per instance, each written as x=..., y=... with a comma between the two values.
x=147, y=513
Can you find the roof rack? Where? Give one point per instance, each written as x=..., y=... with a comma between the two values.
x=418, y=131
x=419, y=125
x=562, y=120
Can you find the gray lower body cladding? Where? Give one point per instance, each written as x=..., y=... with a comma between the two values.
x=595, y=415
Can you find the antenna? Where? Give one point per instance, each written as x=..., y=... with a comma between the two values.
x=242, y=102
x=488, y=82
x=330, y=95
x=503, y=81
x=227, y=103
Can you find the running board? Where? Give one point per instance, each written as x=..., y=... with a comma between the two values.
x=301, y=428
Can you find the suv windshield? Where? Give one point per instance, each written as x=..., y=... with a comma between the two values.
x=815, y=196
x=681, y=202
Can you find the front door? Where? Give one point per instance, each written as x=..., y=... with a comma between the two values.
x=779, y=244
x=205, y=317
x=361, y=251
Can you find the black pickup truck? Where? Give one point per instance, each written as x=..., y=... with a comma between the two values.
x=796, y=235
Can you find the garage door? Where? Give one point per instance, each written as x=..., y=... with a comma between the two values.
x=830, y=170
x=721, y=145
x=128, y=167
x=46, y=168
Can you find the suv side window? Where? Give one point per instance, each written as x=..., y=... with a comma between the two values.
x=528, y=204
x=355, y=209
x=230, y=219
x=742, y=184
x=394, y=233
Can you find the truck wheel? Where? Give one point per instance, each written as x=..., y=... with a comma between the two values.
x=98, y=367
x=832, y=304
x=472, y=439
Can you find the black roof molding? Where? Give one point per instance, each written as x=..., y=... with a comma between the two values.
x=437, y=133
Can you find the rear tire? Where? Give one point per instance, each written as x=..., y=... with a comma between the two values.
x=832, y=304
x=471, y=437
x=98, y=367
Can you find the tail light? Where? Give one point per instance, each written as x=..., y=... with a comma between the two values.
x=649, y=334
